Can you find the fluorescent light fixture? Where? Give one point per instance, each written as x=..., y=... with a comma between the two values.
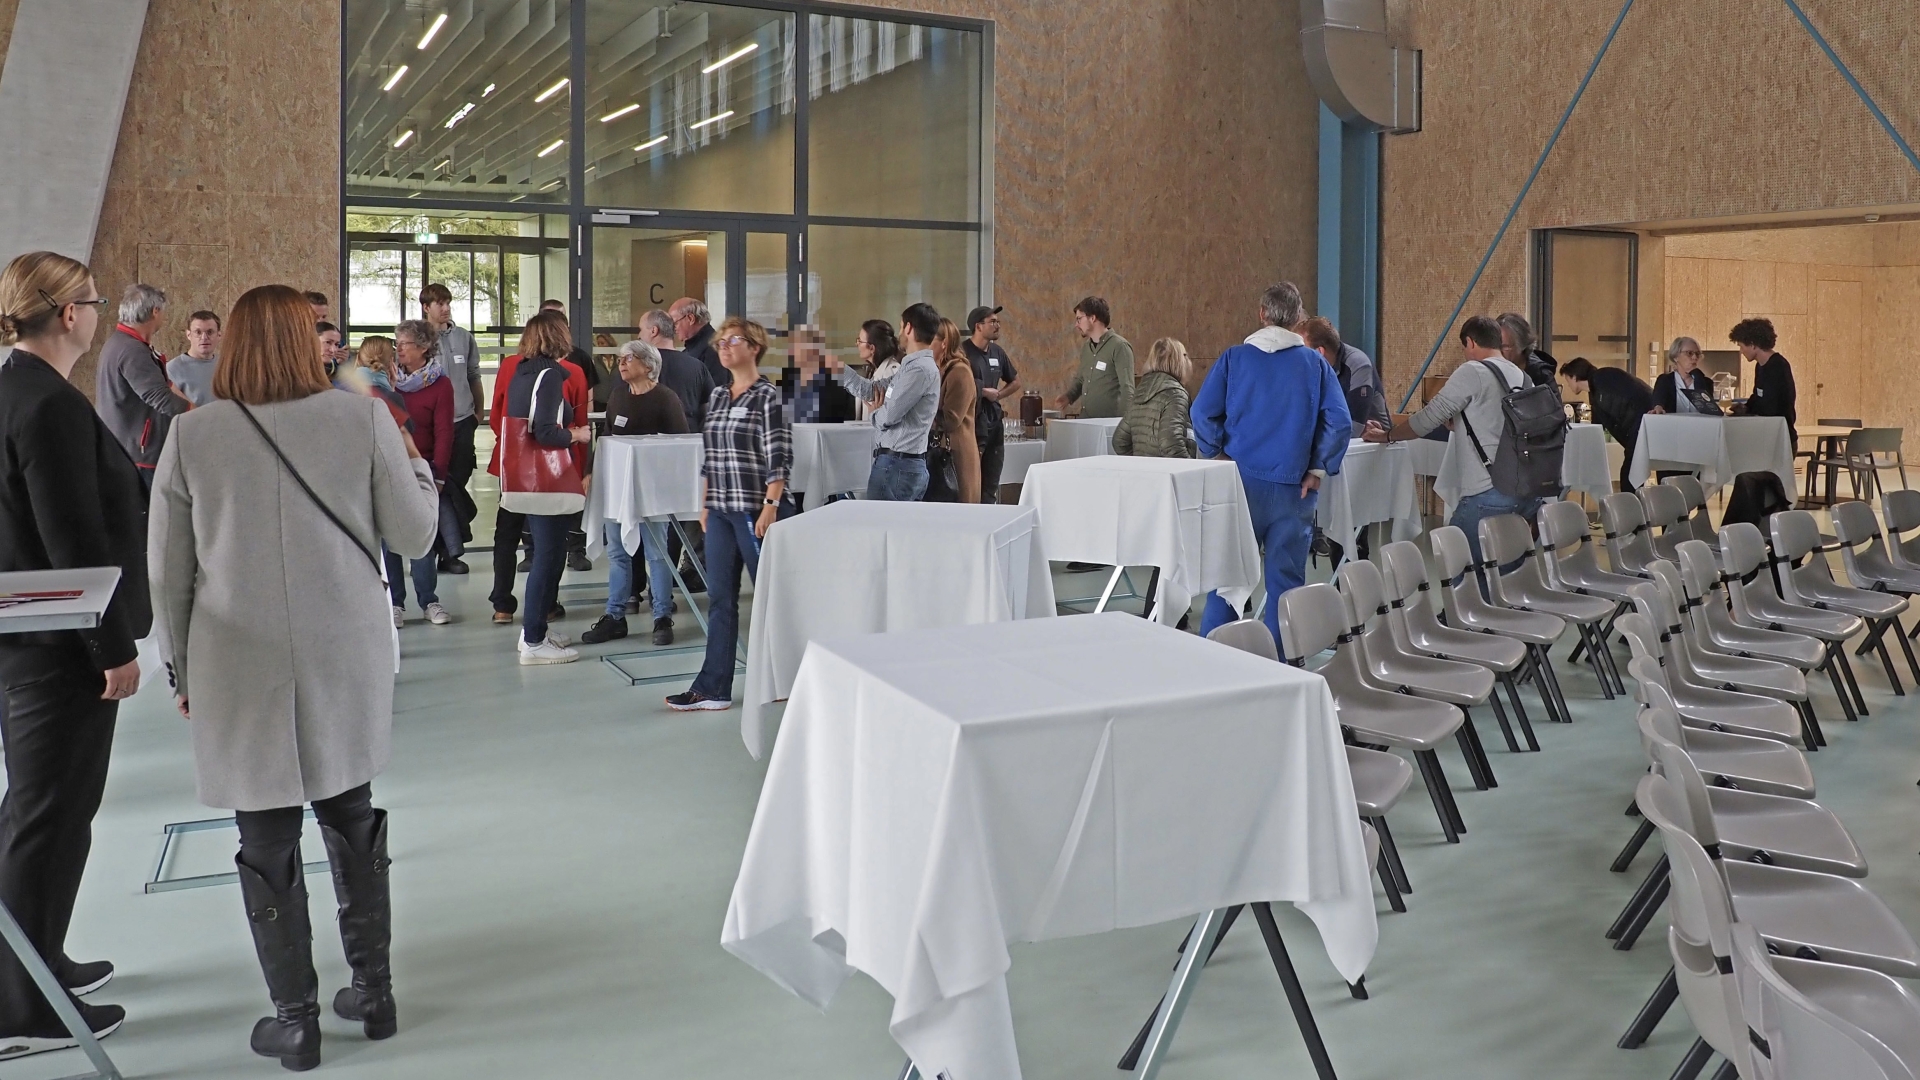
x=490, y=89
x=459, y=114
x=394, y=79
x=432, y=30
x=710, y=120
x=618, y=113
x=402, y=140
x=550, y=185
x=443, y=164
x=550, y=91
x=729, y=58
x=551, y=147
x=651, y=143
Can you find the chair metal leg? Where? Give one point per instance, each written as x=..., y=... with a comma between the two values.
x=1392, y=851
x=1853, y=683
x=1726, y=1071
x=1598, y=665
x=1469, y=739
x=1296, y=997
x=1913, y=665
x=1385, y=870
x=1649, y=1016
x=1500, y=714
x=1508, y=680
x=1436, y=790
x=1553, y=679
x=1697, y=1057
x=1656, y=876
x=1642, y=917
x=1545, y=689
x=1886, y=659
x=1627, y=854
x=1839, y=685
x=1810, y=726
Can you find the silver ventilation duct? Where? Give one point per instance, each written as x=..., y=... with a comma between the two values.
x=1362, y=79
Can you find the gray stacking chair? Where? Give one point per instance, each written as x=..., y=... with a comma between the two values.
x=1710, y=707
x=1902, y=511
x=1313, y=619
x=1709, y=667
x=1756, y=602
x=1505, y=539
x=1699, y=519
x=1389, y=667
x=1729, y=760
x=1796, y=536
x=1379, y=778
x=1876, y=566
x=1417, y=630
x=1623, y=522
x=1700, y=577
x=1831, y=1021
x=1666, y=511
x=1536, y=631
x=1568, y=550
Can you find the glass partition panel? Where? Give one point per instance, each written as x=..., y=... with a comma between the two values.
x=855, y=274
x=893, y=127
x=635, y=270
x=690, y=106
x=458, y=100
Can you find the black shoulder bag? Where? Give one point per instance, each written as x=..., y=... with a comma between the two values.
x=311, y=494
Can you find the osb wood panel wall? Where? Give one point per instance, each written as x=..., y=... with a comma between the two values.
x=1704, y=109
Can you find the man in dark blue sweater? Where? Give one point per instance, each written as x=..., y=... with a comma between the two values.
x=1274, y=407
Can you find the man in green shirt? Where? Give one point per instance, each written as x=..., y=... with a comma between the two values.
x=1103, y=384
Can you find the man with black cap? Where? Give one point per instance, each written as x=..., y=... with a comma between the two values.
x=993, y=371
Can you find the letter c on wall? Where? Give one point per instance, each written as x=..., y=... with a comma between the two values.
x=656, y=294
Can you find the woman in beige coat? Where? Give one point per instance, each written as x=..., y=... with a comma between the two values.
x=953, y=423
x=277, y=634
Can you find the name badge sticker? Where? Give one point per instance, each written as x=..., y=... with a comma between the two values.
x=619, y=421
x=738, y=412
x=993, y=361
x=1099, y=365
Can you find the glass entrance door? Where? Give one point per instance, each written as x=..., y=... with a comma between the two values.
x=653, y=261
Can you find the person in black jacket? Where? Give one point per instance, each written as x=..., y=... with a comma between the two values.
x=69, y=498
x=1684, y=354
x=1517, y=345
x=1773, y=393
x=692, y=324
x=1619, y=400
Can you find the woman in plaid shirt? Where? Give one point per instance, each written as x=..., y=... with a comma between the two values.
x=749, y=447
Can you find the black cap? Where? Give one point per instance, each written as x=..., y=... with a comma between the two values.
x=979, y=315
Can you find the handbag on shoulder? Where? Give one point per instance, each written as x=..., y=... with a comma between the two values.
x=535, y=478
x=943, y=476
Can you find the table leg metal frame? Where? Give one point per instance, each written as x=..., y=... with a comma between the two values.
x=159, y=883
x=615, y=660
x=16, y=938
x=1107, y=595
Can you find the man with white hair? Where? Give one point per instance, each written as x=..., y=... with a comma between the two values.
x=649, y=407
x=131, y=390
x=693, y=326
x=1274, y=408
x=681, y=373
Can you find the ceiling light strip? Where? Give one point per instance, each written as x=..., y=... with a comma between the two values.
x=710, y=120
x=432, y=30
x=730, y=58
x=618, y=113
x=551, y=147
x=651, y=143
x=551, y=90
x=394, y=79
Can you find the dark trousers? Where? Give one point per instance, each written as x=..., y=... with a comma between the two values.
x=508, y=528
x=993, y=456
x=58, y=735
x=1626, y=460
x=270, y=839
x=696, y=542
x=730, y=546
x=459, y=471
x=549, y=533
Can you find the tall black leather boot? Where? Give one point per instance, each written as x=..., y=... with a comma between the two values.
x=283, y=938
x=360, y=883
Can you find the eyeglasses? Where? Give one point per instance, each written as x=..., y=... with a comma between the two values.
x=735, y=340
x=99, y=302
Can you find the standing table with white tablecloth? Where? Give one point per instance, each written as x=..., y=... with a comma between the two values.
x=1187, y=518
x=32, y=601
x=1583, y=466
x=829, y=459
x=1720, y=447
x=1021, y=455
x=860, y=567
x=1375, y=483
x=935, y=795
x=1085, y=437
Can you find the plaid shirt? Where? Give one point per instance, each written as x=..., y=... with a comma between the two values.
x=749, y=444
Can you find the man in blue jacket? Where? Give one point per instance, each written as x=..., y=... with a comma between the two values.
x=1274, y=407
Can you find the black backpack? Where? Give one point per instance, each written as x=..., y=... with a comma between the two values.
x=1533, y=440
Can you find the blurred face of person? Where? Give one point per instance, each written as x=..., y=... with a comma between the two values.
x=332, y=347
x=633, y=371
x=1686, y=362
x=319, y=312
x=1754, y=353
x=1088, y=326
x=1510, y=349
x=736, y=354
x=203, y=339
x=987, y=329
x=439, y=312
x=153, y=321
x=413, y=355
x=865, y=347
x=684, y=323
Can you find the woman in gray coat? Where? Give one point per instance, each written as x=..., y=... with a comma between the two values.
x=268, y=505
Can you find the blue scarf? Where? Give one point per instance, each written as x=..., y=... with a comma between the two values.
x=428, y=374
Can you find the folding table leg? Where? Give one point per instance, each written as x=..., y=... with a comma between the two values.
x=1185, y=974
x=23, y=950
x=1106, y=594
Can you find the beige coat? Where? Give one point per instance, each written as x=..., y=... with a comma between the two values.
x=276, y=627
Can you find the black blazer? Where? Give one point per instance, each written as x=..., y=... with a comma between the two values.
x=1664, y=392
x=69, y=497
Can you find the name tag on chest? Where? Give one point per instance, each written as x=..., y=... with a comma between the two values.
x=738, y=412
x=1100, y=365
x=619, y=421
x=993, y=361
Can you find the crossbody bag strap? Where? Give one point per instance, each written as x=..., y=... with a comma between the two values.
x=311, y=494
x=1501, y=381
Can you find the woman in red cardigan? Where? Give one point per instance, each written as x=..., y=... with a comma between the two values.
x=422, y=383
x=509, y=528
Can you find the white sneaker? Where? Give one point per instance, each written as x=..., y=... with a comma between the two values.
x=558, y=638
x=547, y=652
x=438, y=615
x=399, y=617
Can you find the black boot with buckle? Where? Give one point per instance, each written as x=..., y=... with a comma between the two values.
x=283, y=938
x=361, y=884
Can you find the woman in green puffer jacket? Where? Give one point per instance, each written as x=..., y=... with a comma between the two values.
x=1156, y=424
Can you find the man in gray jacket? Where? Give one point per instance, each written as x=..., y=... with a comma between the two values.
x=131, y=391
x=460, y=355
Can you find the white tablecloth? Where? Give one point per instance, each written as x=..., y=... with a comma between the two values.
x=1022, y=454
x=859, y=567
x=637, y=478
x=1721, y=447
x=1189, y=518
x=829, y=459
x=936, y=795
x=1583, y=468
x=1069, y=439
x=1375, y=483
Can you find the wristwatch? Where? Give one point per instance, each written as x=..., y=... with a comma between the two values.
x=771, y=502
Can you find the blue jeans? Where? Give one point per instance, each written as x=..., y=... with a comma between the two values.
x=895, y=478
x=730, y=546
x=653, y=548
x=426, y=579
x=1283, y=523
x=1468, y=512
x=549, y=532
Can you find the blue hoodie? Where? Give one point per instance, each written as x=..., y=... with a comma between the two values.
x=1275, y=407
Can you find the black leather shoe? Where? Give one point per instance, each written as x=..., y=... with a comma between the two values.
x=663, y=631
x=453, y=566
x=607, y=628
x=578, y=562
x=526, y=563
x=283, y=940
